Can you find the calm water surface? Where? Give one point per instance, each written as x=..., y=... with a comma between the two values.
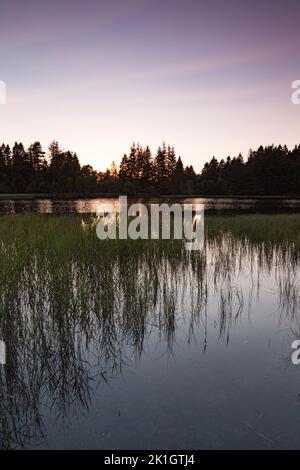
x=81, y=206
x=153, y=351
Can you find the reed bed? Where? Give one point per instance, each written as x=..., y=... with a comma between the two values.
x=74, y=308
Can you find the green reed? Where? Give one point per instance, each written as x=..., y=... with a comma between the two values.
x=73, y=308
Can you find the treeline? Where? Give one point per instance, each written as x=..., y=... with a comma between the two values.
x=271, y=170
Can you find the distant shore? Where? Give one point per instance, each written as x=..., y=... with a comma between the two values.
x=71, y=196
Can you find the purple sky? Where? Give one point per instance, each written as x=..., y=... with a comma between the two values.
x=211, y=78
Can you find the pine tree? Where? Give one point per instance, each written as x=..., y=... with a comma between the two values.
x=36, y=157
x=138, y=165
x=113, y=171
x=146, y=165
x=160, y=164
x=56, y=157
x=132, y=173
x=170, y=161
x=124, y=167
x=8, y=156
x=179, y=170
x=2, y=158
x=19, y=157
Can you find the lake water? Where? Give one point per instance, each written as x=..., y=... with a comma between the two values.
x=80, y=206
x=147, y=348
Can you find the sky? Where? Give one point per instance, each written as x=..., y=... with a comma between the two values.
x=212, y=78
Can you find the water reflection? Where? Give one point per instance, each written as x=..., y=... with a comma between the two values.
x=71, y=323
x=89, y=206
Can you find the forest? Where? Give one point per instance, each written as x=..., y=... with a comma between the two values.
x=268, y=171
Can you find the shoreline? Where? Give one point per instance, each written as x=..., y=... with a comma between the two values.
x=69, y=196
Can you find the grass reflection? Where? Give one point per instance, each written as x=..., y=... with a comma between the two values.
x=74, y=308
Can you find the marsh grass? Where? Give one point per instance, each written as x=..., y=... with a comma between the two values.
x=274, y=229
x=74, y=309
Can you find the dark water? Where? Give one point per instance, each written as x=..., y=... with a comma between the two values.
x=81, y=206
x=152, y=351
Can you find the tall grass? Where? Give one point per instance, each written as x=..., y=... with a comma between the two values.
x=74, y=308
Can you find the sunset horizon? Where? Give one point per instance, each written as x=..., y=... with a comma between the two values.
x=97, y=77
x=150, y=232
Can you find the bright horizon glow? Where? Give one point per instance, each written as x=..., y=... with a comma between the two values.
x=212, y=79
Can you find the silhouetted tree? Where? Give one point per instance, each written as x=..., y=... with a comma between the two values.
x=170, y=161
x=270, y=170
x=160, y=165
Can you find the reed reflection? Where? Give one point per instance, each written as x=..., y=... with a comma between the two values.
x=74, y=309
